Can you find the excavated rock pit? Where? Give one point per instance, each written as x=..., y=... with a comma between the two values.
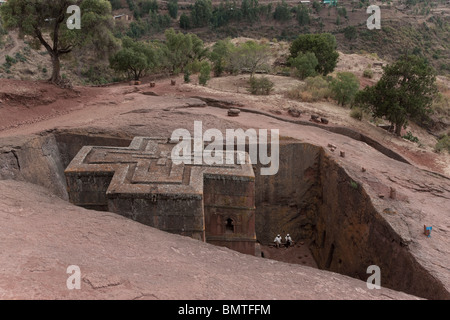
x=312, y=197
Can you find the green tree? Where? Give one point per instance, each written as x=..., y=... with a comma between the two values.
x=205, y=73
x=115, y=4
x=2, y=30
x=219, y=56
x=305, y=64
x=181, y=49
x=172, y=7
x=185, y=21
x=317, y=6
x=344, y=87
x=137, y=29
x=350, y=33
x=221, y=15
x=36, y=18
x=249, y=10
x=282, y=12
x=302, y=15
x=249, y=56
x=158, y=21
x=323, y=45
x=405, y=91
x=135, y=58
x=201, y=13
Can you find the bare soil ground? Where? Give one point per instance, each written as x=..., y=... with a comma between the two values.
x=298, y=254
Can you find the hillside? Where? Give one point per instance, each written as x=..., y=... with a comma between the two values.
x=424, y=23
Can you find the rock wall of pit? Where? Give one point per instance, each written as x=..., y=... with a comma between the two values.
x=34, y=159
x=312, y=197
x=288, y=201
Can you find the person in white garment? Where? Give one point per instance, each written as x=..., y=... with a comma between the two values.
x=277, y=241
x=288, y=240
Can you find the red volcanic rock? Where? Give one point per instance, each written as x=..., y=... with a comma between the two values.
x=42, y=235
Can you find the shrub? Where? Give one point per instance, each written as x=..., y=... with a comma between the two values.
x=342, y=12
x=356, y=113
x=10, y=60
x=316, y=88
x=409, y=136
x=443, y=143
x=319, y=87
x=20, y=57
x=260, y=86
x=368, y=74
x=187, y=75
x=441, y=105
x=306, y=96
x=350, y=33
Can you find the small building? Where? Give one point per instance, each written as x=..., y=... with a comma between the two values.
x=122, y=17
x=210, y=202
x=330, y=2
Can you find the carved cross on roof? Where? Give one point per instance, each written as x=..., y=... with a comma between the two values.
x=146, y=166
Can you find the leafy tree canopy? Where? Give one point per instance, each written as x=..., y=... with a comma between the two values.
x=136, y=58
x=249, y=56
x=405, y=91
x=219, y=56
x=323, y=45
x=344, y=87
x=182, y=49
x=305, y=64
x=38, y=17
x=201, y=13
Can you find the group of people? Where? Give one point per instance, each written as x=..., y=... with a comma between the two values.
x=288, y=241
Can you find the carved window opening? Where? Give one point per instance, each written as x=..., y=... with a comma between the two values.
x=229, y=227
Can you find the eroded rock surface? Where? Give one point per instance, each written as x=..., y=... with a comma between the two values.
x=42, y=235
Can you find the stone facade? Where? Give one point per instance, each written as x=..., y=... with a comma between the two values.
x=212, y=203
